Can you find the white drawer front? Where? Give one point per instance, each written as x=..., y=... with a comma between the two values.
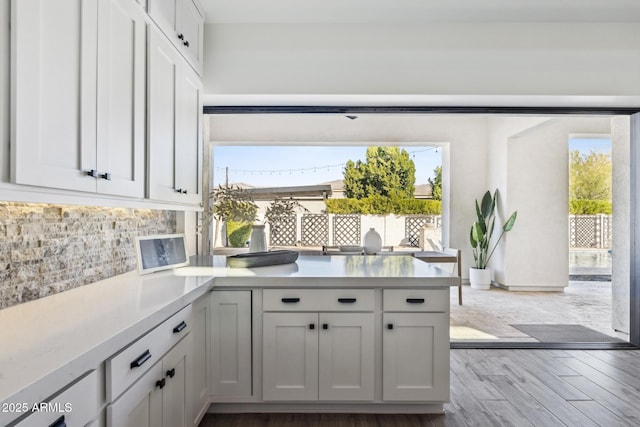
x=318, y=299
x=423, y=300
x=128, y=365
x=75, y=406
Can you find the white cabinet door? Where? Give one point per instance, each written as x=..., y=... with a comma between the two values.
x=183, y=25
x=415, y=357
x=165, y=14
x=121, y=98
x=176, y=394
x=231, y=371
x=188, y=152
x=192, y=29
x=141, y=405
x=346, y=356
x=164, y=62
x=200, y=360
x=174, y=125
x=53, y=139
x=290, y=356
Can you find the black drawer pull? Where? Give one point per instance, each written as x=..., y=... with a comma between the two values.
x=325, y=326
x=390, y=326
x=290, y=300
x=141, y=359
x=161, y=383
x=180, y=327
x=171, y=372
x=415, y=300
x=59, y=422
x=347, y=300
x=312, y=326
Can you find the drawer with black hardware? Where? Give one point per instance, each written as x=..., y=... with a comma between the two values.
x=318, y=299
x=424, y=300
x=128, y=365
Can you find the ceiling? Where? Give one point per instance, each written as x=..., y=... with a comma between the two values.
x=414, y=11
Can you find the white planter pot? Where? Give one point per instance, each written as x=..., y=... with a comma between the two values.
x=258, y=240
x=480, y=278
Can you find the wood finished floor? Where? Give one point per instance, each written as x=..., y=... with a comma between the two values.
x=505, y=388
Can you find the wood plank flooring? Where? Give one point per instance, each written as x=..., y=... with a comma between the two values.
x=489, y=388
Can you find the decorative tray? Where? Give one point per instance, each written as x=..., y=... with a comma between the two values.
x=262, y=259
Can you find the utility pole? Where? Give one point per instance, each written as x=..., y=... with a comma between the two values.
x=226, y=176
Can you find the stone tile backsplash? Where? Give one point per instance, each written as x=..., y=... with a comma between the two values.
x=46, y=249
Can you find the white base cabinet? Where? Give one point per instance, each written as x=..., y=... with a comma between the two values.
x=415, y=357
x=201, y=358
x=318, y=356
x=160, y=398
x=231, y=349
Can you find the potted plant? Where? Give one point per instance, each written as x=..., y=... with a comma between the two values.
x=233, y=204
x=480, y=237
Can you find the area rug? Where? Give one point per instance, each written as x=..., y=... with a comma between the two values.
x=564, y=333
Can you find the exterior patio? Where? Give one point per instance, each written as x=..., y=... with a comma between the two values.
x=487, y=315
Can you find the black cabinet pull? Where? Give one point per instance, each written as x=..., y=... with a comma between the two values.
x=415, y=300
x=141, y=360
x=171, y=372
x=325, y=326
x=180, y=327
x=186, y=43
x=390, y=326
x=161, y=383
x=92, y=173
x=181, y=36
x=347, y=300
x=184, y=191
x=312, y=326
x=106, y=176
x=179, y=190
x=59, y=422
x=290, y=300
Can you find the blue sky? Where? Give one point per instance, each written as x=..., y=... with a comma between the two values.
x=586, y=145
x=288, y=166
x=267, y=166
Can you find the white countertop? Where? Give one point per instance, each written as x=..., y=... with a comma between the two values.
x=56, y=339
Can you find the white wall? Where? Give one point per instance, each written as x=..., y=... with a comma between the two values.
x=490, y=58
x=621, y=179
x=536, y=250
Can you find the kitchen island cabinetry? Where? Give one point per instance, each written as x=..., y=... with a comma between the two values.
x=174, y=123
x=415, y=345
x=78, y=87
x=318, y=355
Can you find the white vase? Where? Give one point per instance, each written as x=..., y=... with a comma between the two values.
x=480, y=278
x=372, y=242
x=258, y=239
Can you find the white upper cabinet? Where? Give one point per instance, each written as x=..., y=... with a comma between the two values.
x=182, y=21
x=175, y=125
x=78, y=74
x=53, y=138
x=121, y=97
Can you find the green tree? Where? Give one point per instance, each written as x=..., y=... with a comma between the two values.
x=436, y=183
x=387, y=172
x=589, y=176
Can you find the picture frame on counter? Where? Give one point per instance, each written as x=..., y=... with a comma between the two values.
x=160, y=252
